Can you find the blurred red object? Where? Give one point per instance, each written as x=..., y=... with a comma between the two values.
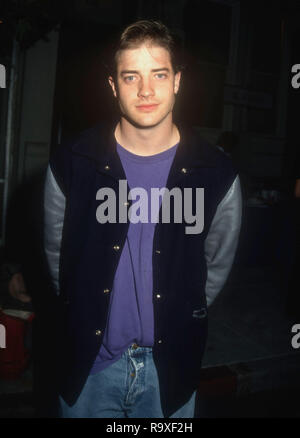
x=15, y=356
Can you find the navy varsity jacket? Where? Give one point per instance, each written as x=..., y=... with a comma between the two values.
x=189, y=270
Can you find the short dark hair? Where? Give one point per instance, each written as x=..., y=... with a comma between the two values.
x=154, y=32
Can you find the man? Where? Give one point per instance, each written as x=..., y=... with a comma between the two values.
x=134, y=278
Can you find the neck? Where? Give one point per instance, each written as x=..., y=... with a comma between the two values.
x=146, y=141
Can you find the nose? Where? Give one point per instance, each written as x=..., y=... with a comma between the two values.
x=145, y=89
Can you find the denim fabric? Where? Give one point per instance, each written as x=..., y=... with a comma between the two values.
x=128, y=388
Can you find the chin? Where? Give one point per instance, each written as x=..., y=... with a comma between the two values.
x=142, y=123
x=148, y=125
x=148, y=122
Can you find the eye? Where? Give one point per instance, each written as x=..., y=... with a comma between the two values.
x=161, y=75
x=130, y=78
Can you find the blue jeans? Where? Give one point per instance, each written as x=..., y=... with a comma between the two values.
x=128, y=388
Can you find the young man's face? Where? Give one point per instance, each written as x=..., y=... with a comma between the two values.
x=145, y=85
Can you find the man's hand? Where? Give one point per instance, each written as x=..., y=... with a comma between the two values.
x=17, y=288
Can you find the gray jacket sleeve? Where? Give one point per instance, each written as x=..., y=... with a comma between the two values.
x=222, y=239
x=54, y=211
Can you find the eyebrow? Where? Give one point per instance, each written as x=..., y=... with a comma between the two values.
x=154, y=70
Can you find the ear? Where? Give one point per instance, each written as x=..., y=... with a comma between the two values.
x=112, y=84
x=177, y=82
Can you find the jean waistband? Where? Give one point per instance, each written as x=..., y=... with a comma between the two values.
x=135, y=348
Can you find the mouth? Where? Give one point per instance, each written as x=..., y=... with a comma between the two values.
x=147, y=108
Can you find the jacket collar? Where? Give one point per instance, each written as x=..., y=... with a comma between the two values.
x=99, y=145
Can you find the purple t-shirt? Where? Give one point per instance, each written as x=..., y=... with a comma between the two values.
x=130, y=317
